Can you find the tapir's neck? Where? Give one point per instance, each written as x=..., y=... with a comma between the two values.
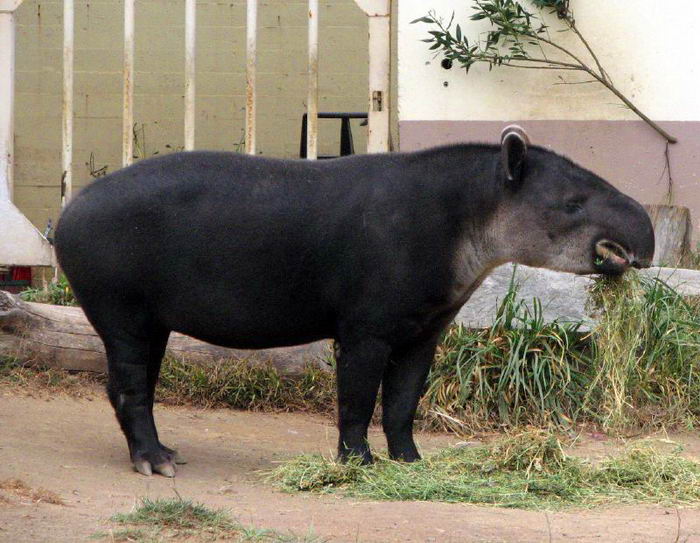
x=477, y=255
x=468, y=179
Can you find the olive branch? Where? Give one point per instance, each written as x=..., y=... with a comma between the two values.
x=519, y=39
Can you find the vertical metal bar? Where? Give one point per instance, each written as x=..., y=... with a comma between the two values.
x=128, y=112
x=190, y=53
x=67, y=126
x=312, y=98
x=379, y=13
x=379, y=83
x=7, y=101
x=251, y=54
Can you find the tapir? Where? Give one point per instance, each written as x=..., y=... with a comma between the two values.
x=377, y=252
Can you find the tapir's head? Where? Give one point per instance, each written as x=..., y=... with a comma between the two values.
x=555, y=214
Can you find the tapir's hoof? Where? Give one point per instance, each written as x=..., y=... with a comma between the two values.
x=166, y=469
x=144, y=467
x=162, y=462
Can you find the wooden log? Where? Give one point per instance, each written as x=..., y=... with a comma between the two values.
x=673, y=230
x=61, y=337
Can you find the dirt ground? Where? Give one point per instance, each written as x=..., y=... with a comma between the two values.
x=73, y=447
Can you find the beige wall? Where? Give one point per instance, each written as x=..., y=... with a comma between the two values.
x=160, y=83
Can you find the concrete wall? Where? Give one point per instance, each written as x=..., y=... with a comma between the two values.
x=647, y=47
x=160, y=83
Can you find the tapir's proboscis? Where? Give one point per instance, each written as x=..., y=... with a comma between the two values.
x=377, y=252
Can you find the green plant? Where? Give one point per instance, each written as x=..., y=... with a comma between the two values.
x=647, y=354
x=240, y=385
x=639, y=366
x=177, y=519
x=525, y=470
x=519, y=39
x=58, y=293
x=521, y=370
x=36, y=378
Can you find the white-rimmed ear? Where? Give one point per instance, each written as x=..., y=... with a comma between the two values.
x=514, y=142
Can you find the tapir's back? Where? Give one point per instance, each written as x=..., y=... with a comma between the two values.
x=205, y=238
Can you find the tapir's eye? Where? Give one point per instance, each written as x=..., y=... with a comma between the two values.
x=574, y=205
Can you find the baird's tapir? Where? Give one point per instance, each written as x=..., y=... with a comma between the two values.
x=377, y=252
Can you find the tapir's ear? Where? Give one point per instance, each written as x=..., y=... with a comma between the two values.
x=514, y=142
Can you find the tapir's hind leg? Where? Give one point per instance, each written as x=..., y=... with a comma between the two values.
x=134, y=346
x=402, y=386
x=131, y=395
x=158, y=342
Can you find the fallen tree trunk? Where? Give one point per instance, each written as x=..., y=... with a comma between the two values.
x=61, y=337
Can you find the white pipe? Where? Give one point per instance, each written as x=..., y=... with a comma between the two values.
x=21, y=244
x=7, y=100
x=67, y=126
x=190, y=54
x=128, y=112
x=251, y=53
x=312, y=98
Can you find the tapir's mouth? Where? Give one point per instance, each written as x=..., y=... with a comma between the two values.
x=611, y=258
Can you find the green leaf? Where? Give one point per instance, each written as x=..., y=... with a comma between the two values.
x=423, y=20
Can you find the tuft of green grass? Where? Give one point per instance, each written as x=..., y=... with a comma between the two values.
x=530, y=449
x=526, y=470
x=640, y=366
x=166, y=519
x=519, y=371
x=36, y=378
x=647, y=355
x=644, y=474
x=240, y=385
x=58, y=293
x=176, y=514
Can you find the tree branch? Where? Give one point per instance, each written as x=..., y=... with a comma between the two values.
x=635, y=109
x=572, y=25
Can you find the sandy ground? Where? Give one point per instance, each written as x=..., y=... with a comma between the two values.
x=73, y=447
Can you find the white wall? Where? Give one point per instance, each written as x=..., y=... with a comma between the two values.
x=649, y=47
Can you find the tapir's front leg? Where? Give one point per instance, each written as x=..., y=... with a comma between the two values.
x=402, y=386
x=360, y=367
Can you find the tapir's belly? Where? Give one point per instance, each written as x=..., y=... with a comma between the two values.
x=252, y=312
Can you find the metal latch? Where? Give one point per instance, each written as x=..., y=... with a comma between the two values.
x=377, y=100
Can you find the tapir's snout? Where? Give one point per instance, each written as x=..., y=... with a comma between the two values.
x=631, y=247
